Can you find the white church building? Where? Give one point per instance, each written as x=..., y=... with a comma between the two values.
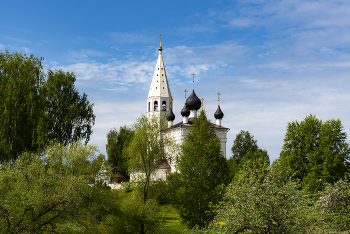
x=159, y=101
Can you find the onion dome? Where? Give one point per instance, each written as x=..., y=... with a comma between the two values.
x=193, y=102
x=218, y=113
x=185, y=111
x=171, y=115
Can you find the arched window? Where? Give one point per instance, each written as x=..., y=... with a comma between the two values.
x=164, y=106
x=149, y=106
x=155, y=105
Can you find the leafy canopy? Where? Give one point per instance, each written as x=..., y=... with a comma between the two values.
x=314, y=150
x=203, y=172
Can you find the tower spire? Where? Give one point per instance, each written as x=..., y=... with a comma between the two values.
x=159, y=95
x=160, y=43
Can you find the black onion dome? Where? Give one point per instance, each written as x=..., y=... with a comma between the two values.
x=218, y=113
x=171, y=115
x=185, y=111
x=193, y=102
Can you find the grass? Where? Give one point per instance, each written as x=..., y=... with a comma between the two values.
x=172, y=222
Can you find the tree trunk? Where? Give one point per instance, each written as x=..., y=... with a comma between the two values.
x=142, y=228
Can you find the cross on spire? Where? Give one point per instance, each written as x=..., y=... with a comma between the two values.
x=193, y=79
x=219, y=98
x=185, y=94
x=160, y=43
x=202, y=102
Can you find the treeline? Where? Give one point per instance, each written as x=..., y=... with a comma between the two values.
x=39, y=107
x=306, y=190
x=48, y=177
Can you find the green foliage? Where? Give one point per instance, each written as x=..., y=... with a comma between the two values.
x=243, y=143
x=38, y=193
x=35, y=112
x=253, y=157
x=334, y=204
x=203, y=172
x=20, y=104
x=149, y=149
x=138, y=216
x=315, y=150
x=117, y=143
x=68, y=115
x=257, y=203
x=245, y=151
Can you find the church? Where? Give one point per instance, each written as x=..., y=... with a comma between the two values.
x=160, y=100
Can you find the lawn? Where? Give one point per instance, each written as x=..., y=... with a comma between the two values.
x=172, y=221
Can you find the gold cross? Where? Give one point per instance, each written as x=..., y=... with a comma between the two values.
x=193, y=79
x=185, y=94
x=160, y=40
x=219, y=98
x=202, y=103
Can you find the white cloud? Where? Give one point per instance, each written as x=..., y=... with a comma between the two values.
x=241, y=22
x=26, y=50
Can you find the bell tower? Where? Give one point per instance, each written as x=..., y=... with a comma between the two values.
x=159, y=96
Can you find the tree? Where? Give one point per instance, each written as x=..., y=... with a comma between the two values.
x=68, y=115
x=253, y=155
x=258, y=203
x=149, y=148
x=314, y=150
x=203, y=172
x=243, y=143
x=37, y=192
x=20, y=104
x=117, y=143
x=334, y=203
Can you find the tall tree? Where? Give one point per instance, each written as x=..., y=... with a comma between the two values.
x=315, y=150
x=20, y=105
x=243, y=143
x=68, y=115
x=148, y=149
x=117, y=143
x=203, y=169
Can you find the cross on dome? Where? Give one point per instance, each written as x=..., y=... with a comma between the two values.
x=193, y=79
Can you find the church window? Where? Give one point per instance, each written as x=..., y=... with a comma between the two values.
x=163, y=87
x=158, y=68
x=149, y=106
x=155, y=105
x=162, y=68
x=157, y=74
x=162, y=74
x=164, y=105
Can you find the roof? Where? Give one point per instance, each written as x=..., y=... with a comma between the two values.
x=115, y=169
x=159, y=86
x=190, y=123
x=164, y=166
x=218, y=113
x=193, y=102
x=185, y=111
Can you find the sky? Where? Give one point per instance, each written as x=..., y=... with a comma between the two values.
x=273, y=62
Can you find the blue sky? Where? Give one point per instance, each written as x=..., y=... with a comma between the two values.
x=273, y=61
